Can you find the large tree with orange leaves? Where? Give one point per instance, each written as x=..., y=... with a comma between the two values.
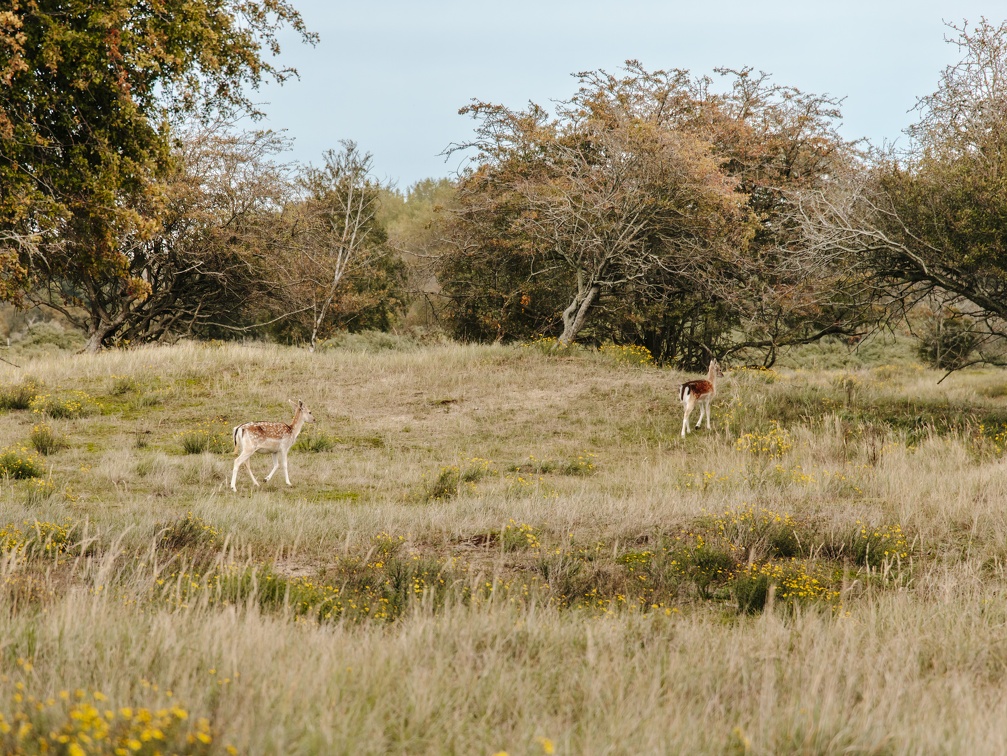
x=646, y=209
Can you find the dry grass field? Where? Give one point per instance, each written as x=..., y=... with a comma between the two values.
x=495, y=549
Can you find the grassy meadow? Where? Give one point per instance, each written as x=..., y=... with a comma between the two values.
x=497, y=549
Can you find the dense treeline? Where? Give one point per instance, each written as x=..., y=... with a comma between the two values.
x=661, y=209
x=132, y=206
x=688, y=214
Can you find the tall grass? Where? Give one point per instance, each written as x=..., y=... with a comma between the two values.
x=506, y=551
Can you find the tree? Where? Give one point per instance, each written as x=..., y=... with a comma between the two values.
x=657, y=205
x=209, y=261
x=928, y=224
x=606, y=192
x=412, y=219
x=339, y=262
x=88, y=97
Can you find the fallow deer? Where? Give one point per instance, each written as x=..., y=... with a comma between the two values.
x=274, y=438
x=699, y=392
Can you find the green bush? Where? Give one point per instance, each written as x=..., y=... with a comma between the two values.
x=445, y=485
x=946, y=339
x=751, y=591
x=315, y=442
x=49, y=334
x=627, y=355
x=186, y=532
x=20, y=395
x=206, y=437
x=370, y=342
x=65, y=404
x=45, y=440
x=21, y=462
x=123, y=384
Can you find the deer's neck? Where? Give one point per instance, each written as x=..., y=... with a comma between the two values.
x=296, y=424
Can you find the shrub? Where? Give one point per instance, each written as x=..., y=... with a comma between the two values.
x=794, y=584
x=445, y=485
x=627, y=355
x=188, y=531
x=550, y=345
x=582, y=464
x=208, y=436
x=874, y=546
x=49, y=334
x=48, y=538
x=760, y=531
x=45, y=440
x=774, y=443
x=751, y=590
x=370, y=342
x=708, y=565
x=19, y=462
x=518, y=537
x=61, y=723
x=38, y=538
x=315, y=442
x=123, y=384
x=65, y=405
x=20, y=395
x=945, y=339
x=450, y=478
x=39, y=491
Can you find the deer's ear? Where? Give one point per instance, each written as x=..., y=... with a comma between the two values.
x=291, y=402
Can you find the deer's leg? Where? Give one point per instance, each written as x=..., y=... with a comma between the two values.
x=708, y=414
x=702, y=410
x=276, y=463
x=248, y=466
x=286, y=475
x=242, y=459
x=690, y=402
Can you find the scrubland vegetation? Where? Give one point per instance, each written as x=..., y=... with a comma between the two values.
x=507, y=548
x=499, y=549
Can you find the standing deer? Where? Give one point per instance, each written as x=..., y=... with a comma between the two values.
x=275, y=438
x=700, y=392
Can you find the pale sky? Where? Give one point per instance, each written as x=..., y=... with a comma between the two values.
x=392, y=74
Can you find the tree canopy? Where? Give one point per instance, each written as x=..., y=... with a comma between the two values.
x=89, y=98
x=927, y=223
x=647, y=209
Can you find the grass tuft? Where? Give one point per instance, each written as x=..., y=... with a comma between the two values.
x=315, y=442
x=19, y=396
x=19, y=463
x=46, y=441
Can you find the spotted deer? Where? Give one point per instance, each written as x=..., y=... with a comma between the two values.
x=274, y=438
x=700, y=392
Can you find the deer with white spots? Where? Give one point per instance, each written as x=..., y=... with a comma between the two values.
x=699, y=392
x=274, y=438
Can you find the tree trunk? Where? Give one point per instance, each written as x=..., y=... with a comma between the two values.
x=94, y=341
x=575, y=315
x=100, y=329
